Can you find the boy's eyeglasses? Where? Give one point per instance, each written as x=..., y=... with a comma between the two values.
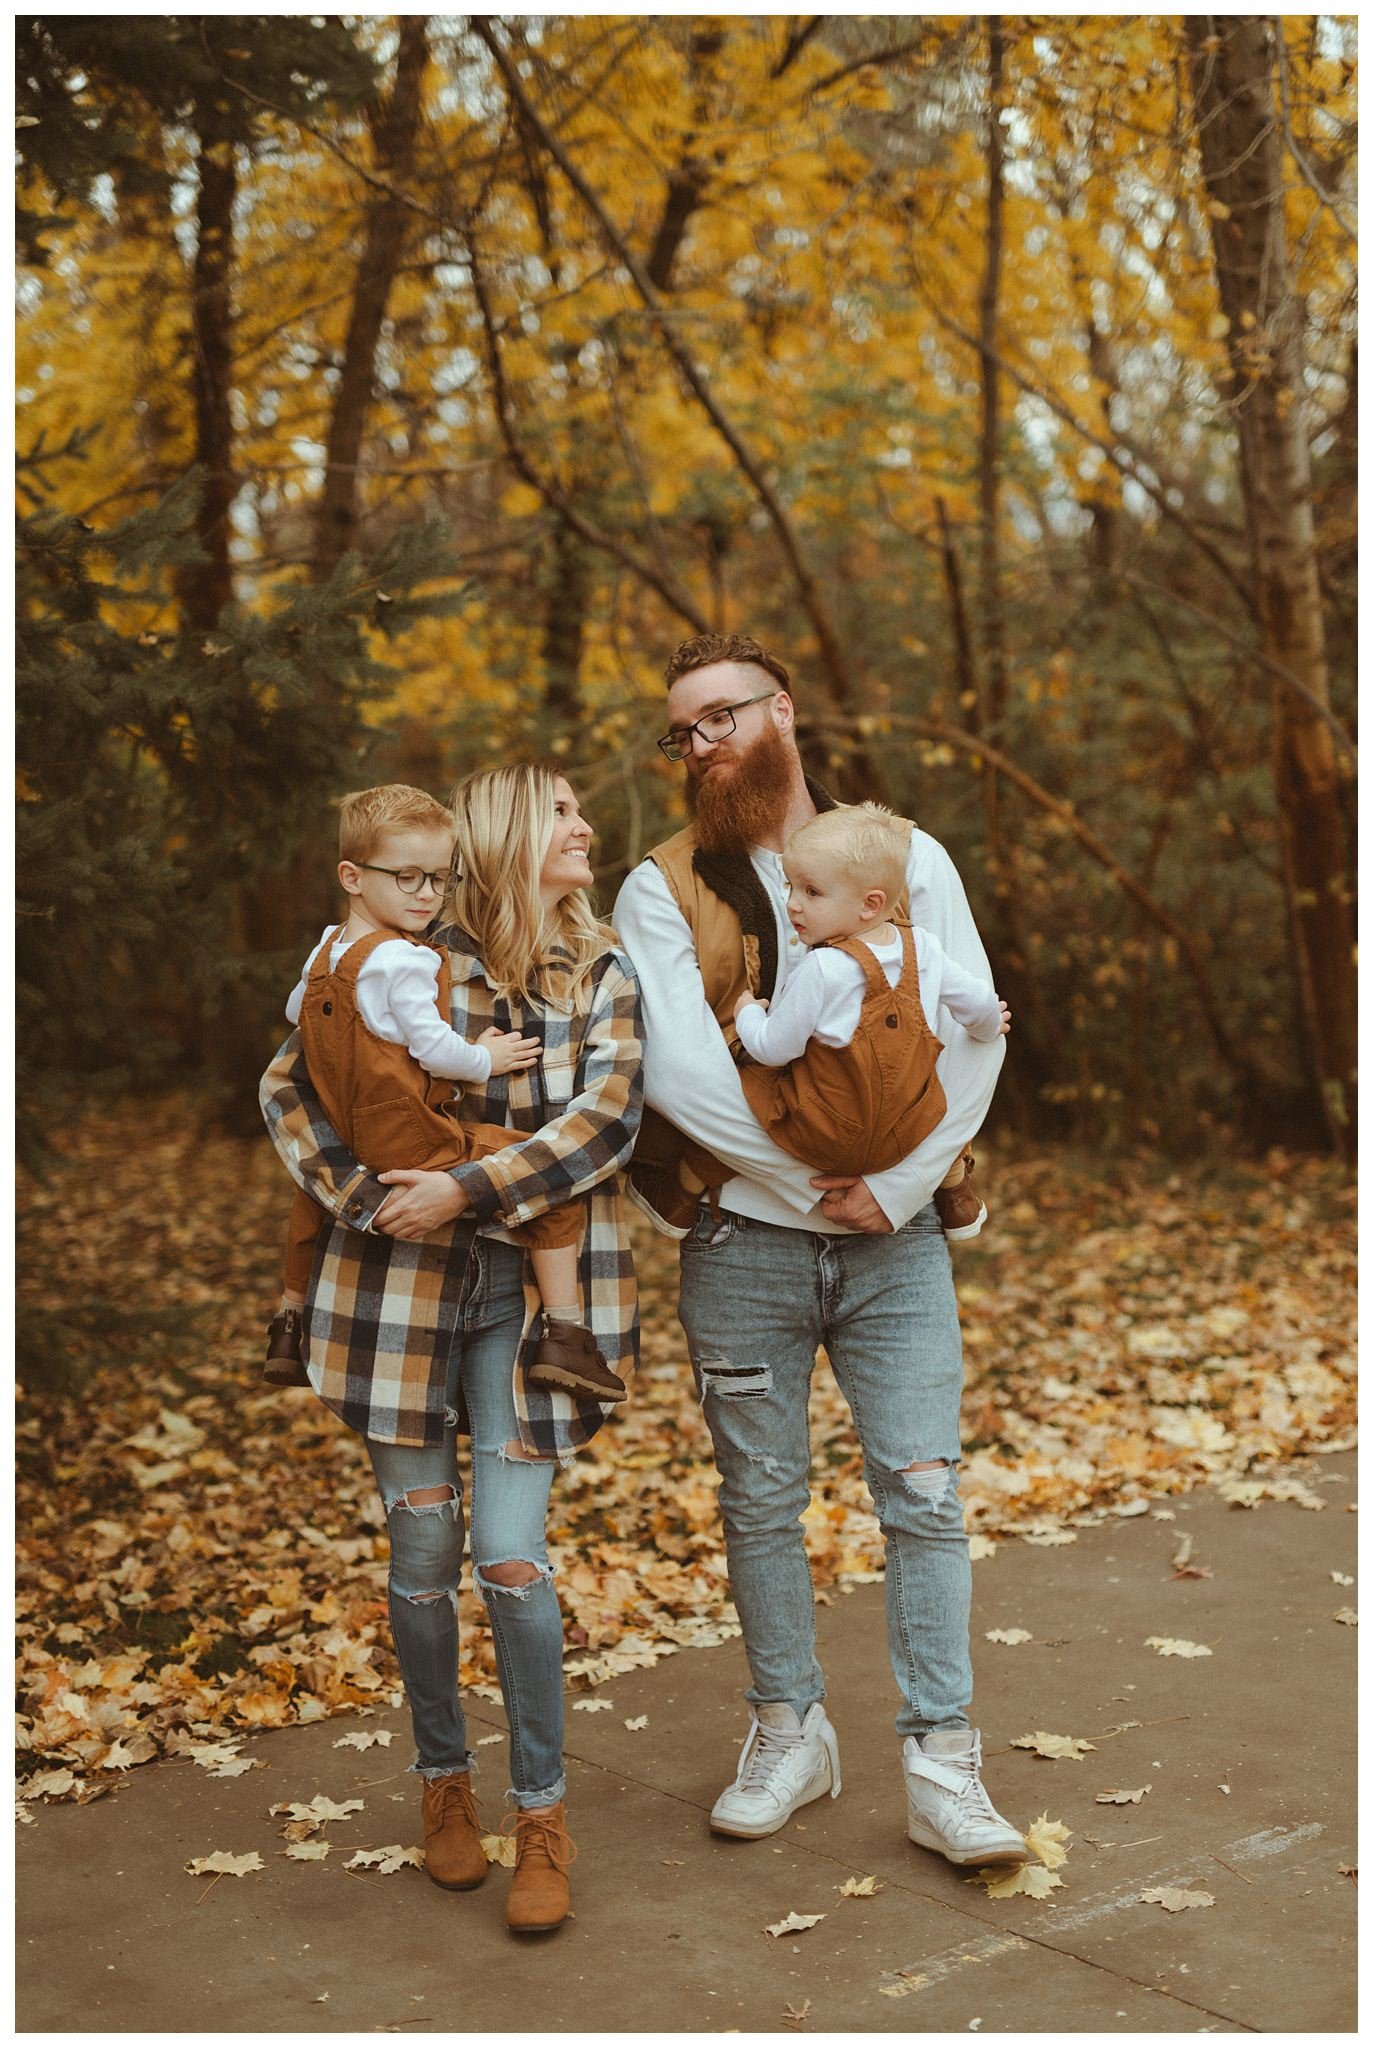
x=409, y=880
x=716, y=725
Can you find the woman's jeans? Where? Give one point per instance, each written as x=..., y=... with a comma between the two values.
x=757, y=1301
x=507, y=1510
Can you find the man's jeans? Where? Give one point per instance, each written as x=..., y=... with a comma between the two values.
x=756, y=1302
x=508, y=1508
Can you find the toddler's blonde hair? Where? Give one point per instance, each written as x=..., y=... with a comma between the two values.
x=865, y=843
x=365, y=817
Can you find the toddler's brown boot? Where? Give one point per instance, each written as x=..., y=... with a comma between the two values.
x=284, y=1367
x=453, y=1854
x=567, y=1358
x=961, y=1209
x=539, y=1896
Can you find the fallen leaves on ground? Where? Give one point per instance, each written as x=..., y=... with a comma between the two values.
x=1026, y=1881
x=795, y=1923
x=1008, y=1635
x=499, y=1849
x=1047, y=1842
x=200, y=1558
x=222, y=1864
x=1071, y=1747
x=796, y=2016
x=386, y=1861
x=1348, y=1615
x=1176, y=1646
x=1125, y=1798
x=859, y=1887
x=1174, y=1899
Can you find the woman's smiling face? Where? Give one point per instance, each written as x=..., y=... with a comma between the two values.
x=566, y=865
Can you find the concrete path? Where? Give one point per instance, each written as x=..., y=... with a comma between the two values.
x=1248, y=1754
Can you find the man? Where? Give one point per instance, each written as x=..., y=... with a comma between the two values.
x=794, y=1260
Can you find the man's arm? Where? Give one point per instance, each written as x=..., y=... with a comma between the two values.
x=689, y=1076
x=311, y=1149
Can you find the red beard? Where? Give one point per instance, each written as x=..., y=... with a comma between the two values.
x=740, y=804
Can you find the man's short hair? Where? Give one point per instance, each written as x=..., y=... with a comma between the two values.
x=704, y=649
x=865, y=843
x=368, y=814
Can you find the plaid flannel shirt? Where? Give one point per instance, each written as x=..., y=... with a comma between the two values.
x=382, y=1312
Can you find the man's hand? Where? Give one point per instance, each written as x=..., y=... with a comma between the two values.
x=423, y=1202
x=851, y=1201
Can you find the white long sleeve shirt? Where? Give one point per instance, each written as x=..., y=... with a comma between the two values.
x=690, y=1078
x=823, y=999
x=397, y=990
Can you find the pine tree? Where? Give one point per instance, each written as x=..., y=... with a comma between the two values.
x=159, y=770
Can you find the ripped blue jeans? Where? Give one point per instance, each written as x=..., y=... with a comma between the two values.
x=757, y=1301
x=507, y=1512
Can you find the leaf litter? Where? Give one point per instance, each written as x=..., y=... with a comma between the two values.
x=199, y=1559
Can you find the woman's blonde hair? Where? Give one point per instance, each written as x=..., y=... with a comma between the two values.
x=866, y=843
x=504, y=819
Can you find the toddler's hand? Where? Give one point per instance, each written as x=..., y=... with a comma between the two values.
x=745, y=999
x=509, y=1052
x=1005, y=1018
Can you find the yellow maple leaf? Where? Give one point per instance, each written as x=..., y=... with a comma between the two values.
x=1046, y=1838
x=1029, y=1881
x=1176, y=1646
x=859, y=1887
x=1073, y=1747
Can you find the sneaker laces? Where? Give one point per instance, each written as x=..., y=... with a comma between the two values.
x=769, y=1750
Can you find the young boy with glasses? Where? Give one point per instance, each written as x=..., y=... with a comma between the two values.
x=372, y=1004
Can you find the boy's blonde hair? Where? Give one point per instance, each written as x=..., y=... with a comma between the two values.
x=504, y=819
x=865, y=843
x=368, y=814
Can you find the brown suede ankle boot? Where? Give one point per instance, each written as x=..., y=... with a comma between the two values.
x=539, y=1892
x=453, y=1852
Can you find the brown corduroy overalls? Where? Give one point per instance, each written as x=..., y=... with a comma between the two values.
x=861, y=1107
x=385, y=1107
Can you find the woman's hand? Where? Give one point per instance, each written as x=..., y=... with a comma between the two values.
x=422, y=1202
x=509, y=1052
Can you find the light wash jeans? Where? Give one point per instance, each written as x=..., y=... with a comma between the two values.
x=508, y=1511
x=756, y=1301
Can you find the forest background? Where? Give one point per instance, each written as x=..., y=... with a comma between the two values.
x=393, y=394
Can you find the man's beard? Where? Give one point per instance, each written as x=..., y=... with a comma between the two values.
x=742, y=805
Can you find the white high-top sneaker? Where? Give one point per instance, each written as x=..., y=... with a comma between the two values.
x=947, y=1808
x=784, y=1763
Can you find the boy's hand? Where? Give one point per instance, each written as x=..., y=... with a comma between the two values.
x=745, y=999
x=509, y=1052
x=1005, y=1018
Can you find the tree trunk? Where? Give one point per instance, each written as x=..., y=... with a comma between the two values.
x=395, y=127
x=1231, y=61
x=205, y=590
x=565, y=608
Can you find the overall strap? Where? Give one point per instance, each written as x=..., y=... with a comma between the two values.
x=320, y=969
x=874, y=974
x=361, y=950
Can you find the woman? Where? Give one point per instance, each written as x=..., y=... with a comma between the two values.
x=421, y=1311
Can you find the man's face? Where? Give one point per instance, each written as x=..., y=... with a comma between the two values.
x=708, y=689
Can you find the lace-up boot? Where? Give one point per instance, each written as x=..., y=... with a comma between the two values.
x=784, y=1763
x=453, y=1853
x=539, y=1896
x=947, y=1808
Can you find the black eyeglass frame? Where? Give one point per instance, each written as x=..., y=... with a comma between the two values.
x=674, y=749
x=438, y=876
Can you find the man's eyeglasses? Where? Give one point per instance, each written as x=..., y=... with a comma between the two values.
x=716, y=725
x=409, y=880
